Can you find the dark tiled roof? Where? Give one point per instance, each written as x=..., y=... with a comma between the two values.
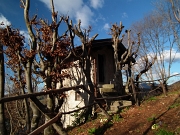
x=107, y=42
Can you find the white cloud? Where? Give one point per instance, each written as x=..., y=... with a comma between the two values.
x=175, y=74
x=100, y=17
x=97, y=3
x=155, y=71
x=124, y=15
x=69, y=7
x=106, y=26
x=85, y=14
x=76, y=9
x=174, y=54
x=4, y=21
x=175, y=77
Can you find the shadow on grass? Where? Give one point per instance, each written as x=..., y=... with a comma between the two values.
x=154, y=121
x=101, y=129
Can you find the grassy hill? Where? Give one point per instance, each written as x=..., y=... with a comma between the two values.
x=158, y=115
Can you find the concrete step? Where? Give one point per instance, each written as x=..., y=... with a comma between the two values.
x=107, y=90
x=115, y=106
x=111, y=86
x=126, y=103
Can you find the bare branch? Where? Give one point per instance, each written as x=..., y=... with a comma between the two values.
x=28, y=24
x=54, y=15
x=33, y=19
x=23, y=4
x=175, y=12
x=138, y=45
x=93, y=38
x=77, y=30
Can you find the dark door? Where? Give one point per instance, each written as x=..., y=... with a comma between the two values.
x=101, y=68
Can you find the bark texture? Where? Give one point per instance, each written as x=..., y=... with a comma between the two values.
x=2, y=82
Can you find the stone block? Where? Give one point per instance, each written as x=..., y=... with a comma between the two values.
x=126, y=103
x=107, y=90
x=110, y=86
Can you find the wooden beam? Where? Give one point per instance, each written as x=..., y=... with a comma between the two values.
x=50, y=122
x=7, y=99
x=55, y=119
x=113, y=98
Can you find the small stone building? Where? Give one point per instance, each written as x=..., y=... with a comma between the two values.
x=102, y=72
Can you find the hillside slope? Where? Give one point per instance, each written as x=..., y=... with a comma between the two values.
x=158, y=115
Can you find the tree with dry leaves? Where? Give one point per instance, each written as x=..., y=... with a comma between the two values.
x=22, y=59
x=13, y=41
x=51, y=50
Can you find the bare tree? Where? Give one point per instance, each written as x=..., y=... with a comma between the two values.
x=16, y=113
x=127, y=58
x=27, y=64
x=85, y=59
x=22, y=60
x=175, y=9
x=52, y=51
x=116, y=32
x=2, y=82
x=170, y=11
x=145, y=67
x=156, y=36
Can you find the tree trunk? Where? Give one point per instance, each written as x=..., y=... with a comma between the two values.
x=92, y=89
x=36, y=116
x=49, y=130
x=25, y=101
x=2, y=81
x=135, y=94
x=35, y=111
x=164, y=87
x=87, y=72
x=59, y=129
x=50, y=102
x=27, y=117
x=118, y=82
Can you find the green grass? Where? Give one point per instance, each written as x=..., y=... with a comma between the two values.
x=100, y=130
x=152, y=118
x=152, y=99
x=92, y=131
x=177, y=131
x=80, y=130
x=174, y=105
x=116, y=118
x=164, y=132
x=125, y=109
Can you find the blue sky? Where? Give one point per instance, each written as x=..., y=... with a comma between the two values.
x=100, y=14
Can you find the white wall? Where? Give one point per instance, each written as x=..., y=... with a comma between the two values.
x=77, y=78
